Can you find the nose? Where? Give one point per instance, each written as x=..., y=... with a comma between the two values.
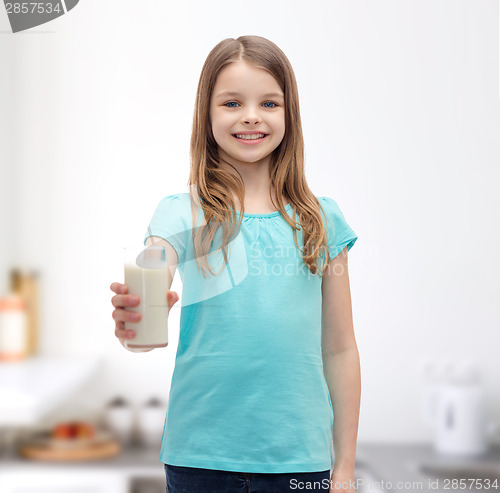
x=251, y=116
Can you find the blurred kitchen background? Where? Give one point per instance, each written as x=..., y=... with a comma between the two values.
x=400, y=105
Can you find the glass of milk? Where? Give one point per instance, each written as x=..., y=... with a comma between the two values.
x=147, y=276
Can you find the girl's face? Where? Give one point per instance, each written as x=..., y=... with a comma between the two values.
x=246, y=99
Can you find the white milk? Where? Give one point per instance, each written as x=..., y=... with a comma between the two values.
x=151, y=285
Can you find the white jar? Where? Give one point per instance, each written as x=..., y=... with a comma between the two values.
x=151, y=420
x=13, y=335
x=120, y=419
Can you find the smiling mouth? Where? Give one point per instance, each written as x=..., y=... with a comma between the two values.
x=250, y=137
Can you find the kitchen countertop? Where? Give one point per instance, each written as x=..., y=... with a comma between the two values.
x=136, y=469
x=395, y=467
x=134, y=459
x=383, y=467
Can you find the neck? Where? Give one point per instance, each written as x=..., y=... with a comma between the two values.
x=256, y=179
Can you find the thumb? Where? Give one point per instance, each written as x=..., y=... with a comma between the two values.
x=172, y=299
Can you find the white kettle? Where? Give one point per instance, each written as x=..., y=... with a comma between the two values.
x=455, y=408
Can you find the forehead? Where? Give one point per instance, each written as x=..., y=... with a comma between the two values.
x=241, y=78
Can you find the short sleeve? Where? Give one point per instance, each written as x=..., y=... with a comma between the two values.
x=340, y=234
x=172, y=222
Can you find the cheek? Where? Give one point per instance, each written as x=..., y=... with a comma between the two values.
x=219, y=132
x=279, y=129
x=221, y=124
x=278, y=121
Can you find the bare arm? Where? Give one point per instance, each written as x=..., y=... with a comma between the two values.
x=341, y=364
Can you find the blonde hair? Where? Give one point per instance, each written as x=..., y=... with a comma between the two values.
x=211, y=186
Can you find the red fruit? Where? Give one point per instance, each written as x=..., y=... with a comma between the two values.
x=71, y=430
x=62, y=431
x=84, y=430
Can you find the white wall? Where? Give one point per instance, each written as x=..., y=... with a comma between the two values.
x=7, y=209
x=400, y=112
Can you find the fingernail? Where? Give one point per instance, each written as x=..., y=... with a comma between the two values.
x=130, y=335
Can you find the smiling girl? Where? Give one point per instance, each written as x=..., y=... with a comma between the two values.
x=266, y=345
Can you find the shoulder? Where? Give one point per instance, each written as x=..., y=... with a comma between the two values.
x=174, y=208
x=329, y=206
x=177, y=201
x=331, y=211
x=172, y=221
x=176, y=198
x=340, y=233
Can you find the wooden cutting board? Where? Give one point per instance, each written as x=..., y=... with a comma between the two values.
x=88, y=451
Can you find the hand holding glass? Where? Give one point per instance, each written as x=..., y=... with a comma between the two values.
x=148, y=277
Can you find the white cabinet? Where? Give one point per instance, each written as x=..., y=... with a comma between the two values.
x=32, y=388
x=59, y=481
x=135, y=470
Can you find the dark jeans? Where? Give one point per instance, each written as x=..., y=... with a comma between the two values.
x=196, y=480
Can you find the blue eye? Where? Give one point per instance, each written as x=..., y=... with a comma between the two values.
x=234, y=102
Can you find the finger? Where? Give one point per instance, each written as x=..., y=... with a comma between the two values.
x=172, y=299
x=121, y=300
x=121, y=315
x=119, y=288
x=121, y=333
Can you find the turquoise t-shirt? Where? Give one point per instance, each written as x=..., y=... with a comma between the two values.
x=248, y=392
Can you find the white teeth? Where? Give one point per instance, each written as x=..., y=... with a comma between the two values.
x=250, y=137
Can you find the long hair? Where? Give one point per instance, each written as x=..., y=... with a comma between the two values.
x=211, y=186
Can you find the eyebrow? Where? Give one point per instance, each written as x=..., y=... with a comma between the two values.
x=233, y=93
